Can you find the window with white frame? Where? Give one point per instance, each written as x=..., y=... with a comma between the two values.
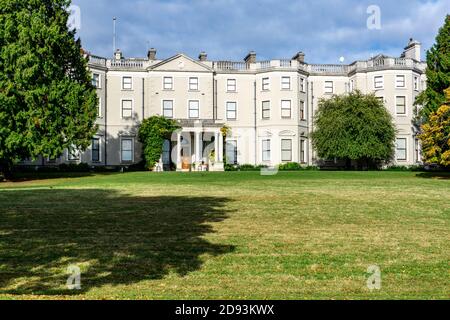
x=127, y=83
x=400, y=149
x=99, y=108
x=231, y=151
x=168, y=109
x=400, y=105
x=416, y=83
x=400, y=81
x=193, y=84
x=231, y=110
x=286, y=150
x=378, y=82
x=265, y=84
x=286, y=83
x=381, y=99
x=286, y=108
x=96, y=80
x=329, y=87
x=302, y=84
x=194, y=109
x=302, y=151
x=302, y=111
x=168, y=83
x=266, y=150
x=352, y=85
x=266, y=109
x=95, y=150
x=231, y=85
x=127, y=109
x=73, y=154
x=126, y=149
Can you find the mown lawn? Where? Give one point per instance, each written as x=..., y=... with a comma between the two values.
x=298, y=235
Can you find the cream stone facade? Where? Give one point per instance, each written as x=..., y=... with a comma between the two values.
x=268, y=106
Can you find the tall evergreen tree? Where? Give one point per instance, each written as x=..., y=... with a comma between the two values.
x=438, y=73
x=47, y=101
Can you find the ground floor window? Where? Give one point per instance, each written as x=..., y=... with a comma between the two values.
x=127, y=149
x=266, y=150
x=302, y=151
x=73, y=154
x=95, y=150
x=166, y=152
x=400, y=149
x=231, y=151
x=286, y=150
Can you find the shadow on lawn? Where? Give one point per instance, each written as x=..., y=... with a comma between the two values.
x=114, y=238
x=435, y=175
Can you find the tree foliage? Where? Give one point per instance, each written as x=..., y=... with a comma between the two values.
x=438, y=73
x=354, y=127
x=435, y=135
x=47, y=101
x=152, y=133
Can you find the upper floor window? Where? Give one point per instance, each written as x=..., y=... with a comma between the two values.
x=302, y=85
x=168, y=109
x=400, y=81
x=99, y=108
x=127, y=83
x=96, y=80
x=285, y=83
x=231, y=85
x=329, y=87
x=126, y=150
x=400, y=105
x=266, y=150
x=265, y=84
x=302, y=110
x=168, y=83
x=231, y=110
x=378, y=82
x=286, y=108
x=266, y=109
x=95, y=150
x=416, y=83
x=286, y=150
x=193, y=84
x=194, y=108
x=127, y=108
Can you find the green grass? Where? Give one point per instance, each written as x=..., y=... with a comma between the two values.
x=238, y=235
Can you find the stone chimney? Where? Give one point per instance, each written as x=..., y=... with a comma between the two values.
x=251, y=57
x=118, y=55
x=299, y=56
x=413, y=50
x=151, y=54
x=202, y=56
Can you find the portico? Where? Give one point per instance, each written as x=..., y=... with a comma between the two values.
x=199, y=146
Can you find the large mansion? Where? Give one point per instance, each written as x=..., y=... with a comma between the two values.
x=268, y=106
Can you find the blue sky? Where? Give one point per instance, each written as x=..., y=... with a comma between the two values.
x=229, y=29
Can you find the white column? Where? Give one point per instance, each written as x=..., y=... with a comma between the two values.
x=179, y=151
x=198, y=148
x=220, y=147
x=216, y=146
